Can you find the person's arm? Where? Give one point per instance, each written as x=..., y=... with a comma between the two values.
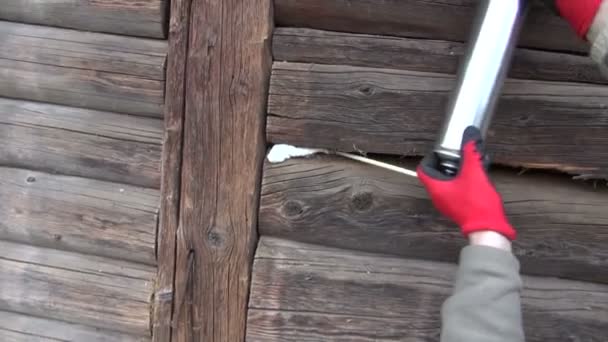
x=485, y=305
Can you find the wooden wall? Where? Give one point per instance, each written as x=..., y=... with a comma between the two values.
x=143, y=18
x=81, y=125
x=540, y=122
x=349, y=252
x=342, y=203
x=217, y=80
x=304, y=292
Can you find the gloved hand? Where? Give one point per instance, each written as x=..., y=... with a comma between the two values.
x=589, y=18
x=469, y=198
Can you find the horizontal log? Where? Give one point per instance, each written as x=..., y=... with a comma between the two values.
x=78, y=214
x=146, y=18
x=80, y=142
x=446, y=20
x=20, y=328
x=82, y=69
x=311, y=293
x=538, y=124
x=144, y=58
x=328, y=200
x=325, y=47
x=75, y=288
x=81, y=88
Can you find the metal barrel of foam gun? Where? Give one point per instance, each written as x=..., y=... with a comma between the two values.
x=481, y=76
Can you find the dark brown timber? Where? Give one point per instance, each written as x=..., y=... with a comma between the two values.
x=70, y=287
x=128, y=17
x=78, y=214
x=80, y=142
x=562, y=226
x=446, y=20
x=227, y=72
x=326, y=47
x=171, y=170
x=538, y=124
x=82, y=69
x=21, y=328
x=311, y=293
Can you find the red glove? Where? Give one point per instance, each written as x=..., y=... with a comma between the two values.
x=579, y=13
x=469, y=198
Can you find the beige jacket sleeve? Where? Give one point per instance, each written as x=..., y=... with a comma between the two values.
x=485, y=305
x=598, y=37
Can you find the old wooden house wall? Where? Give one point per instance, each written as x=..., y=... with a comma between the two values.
x=348, y=252
x=81, y=123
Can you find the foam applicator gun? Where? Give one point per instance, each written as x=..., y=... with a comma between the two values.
x=481, y=76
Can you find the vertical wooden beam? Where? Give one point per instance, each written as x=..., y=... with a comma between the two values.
x=171, y=170
x=227, y=73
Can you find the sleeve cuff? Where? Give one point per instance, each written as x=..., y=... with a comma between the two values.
x=484, y=261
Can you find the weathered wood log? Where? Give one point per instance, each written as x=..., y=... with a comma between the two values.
x=90, y=70
x=110, y=53
x=226, y=89
x=146, y=18
x=80, y=142
x=171, y=170
x=78, y=214
x=20, y=328
x=76, y=288
x=538, y=124
x=332, y=201
x=446, y=20
x=311, y=293
x=326, y=47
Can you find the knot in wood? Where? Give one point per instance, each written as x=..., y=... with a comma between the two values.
x=215, y=238
x=367, y=90
x=31, y=179
x=544, y=247
x=362, y=200
x=524, y=119
x=292, y=208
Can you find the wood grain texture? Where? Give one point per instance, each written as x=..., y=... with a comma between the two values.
x=311, y=293
x=82, y=69
x=562, y=226
x=78, y=214
x=538, y=124
x=146, y=18
x=137, y=57
x=20, y=328
x=228, y=70
x=80, y=142
x=445, y=20
x=171, y=170
x=325, y=47
x=76, y=288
